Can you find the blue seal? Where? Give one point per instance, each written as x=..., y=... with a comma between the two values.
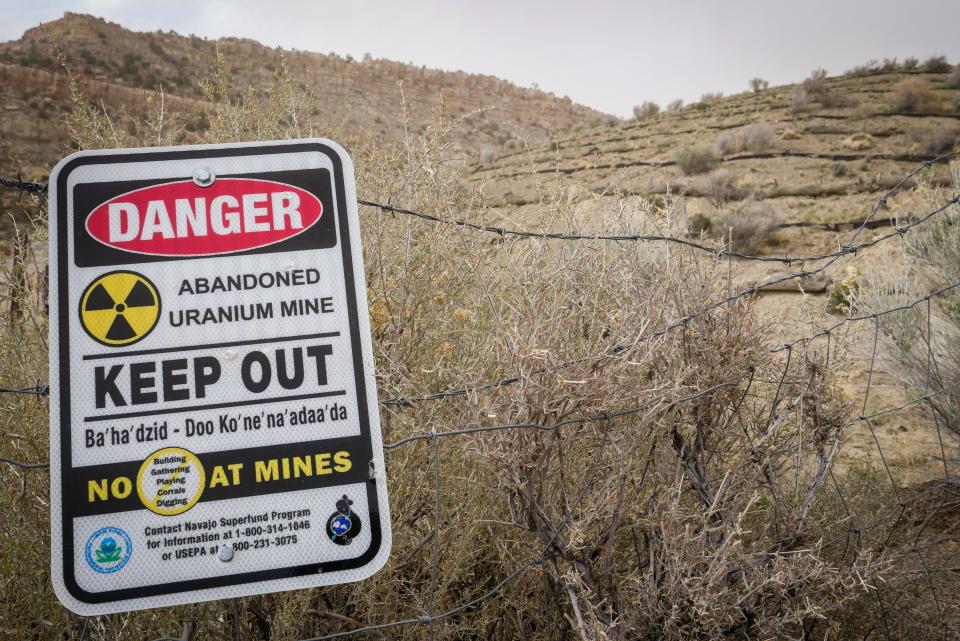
x=340, y=524
x=343, y=525
x=108, y=550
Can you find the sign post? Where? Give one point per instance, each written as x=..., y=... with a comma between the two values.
x=214, y=426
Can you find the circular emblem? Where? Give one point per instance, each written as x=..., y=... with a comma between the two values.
x=108, y=550
x=119, y=308
x=343, y=525
x=170, y=481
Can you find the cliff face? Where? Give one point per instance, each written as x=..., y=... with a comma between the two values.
x=122, y=68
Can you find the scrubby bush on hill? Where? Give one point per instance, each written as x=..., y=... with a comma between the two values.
x=953, y=80
x=756, y=136
x=913, y=95
x=938, y=140
x=749, y=227
x=936, y=64
x=697, y=159
x=645, y=110
x=758, y=84
x=720, y=187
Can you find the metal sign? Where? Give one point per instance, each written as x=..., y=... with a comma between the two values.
x=214, y=427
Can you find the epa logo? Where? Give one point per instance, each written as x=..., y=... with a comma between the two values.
x=108, y=550
x=344, y=524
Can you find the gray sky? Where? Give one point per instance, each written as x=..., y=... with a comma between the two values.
x=608, y=54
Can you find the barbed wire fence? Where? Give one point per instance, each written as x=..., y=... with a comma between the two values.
x=853, y=529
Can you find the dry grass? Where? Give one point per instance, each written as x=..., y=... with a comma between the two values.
x=705, y=518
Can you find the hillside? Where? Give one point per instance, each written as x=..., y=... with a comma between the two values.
x=815, y=151
x=791, y=169
x=353, y=98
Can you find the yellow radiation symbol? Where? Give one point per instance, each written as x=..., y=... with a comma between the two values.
x=170, y=481
x=119, y=308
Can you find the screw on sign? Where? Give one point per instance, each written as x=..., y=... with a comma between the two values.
x=213, y=408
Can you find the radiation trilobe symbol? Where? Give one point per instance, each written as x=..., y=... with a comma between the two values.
x=119, y=308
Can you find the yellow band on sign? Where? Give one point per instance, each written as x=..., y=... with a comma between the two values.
x=170, y=481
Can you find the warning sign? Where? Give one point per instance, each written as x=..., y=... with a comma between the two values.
x=214, y=423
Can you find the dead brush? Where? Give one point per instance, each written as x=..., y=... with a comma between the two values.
x=633, y=482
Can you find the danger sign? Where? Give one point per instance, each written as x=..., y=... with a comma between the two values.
x=214, y=427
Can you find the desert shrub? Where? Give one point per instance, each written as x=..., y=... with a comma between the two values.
x=913, y=95
x=720, y=187
x=749, y=227
x=728, y=143
x=675, y=105
x=711, y=96
x=953, y=80
x=836, y=100
x=756, y=136
x=646, y=110
x=838, y=169
x=758, y=84
x=699, y=224
x=889, y=64
x=696, y=159
x=868, y=68
x=800, y=102
x=911, y=338
x=938, y=140
x=816, y=83
x=911, y=64
x=936, y=64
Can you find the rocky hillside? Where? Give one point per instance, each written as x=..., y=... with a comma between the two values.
x=816, y=151
x=353, y=97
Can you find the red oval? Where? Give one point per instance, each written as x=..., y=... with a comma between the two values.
x=183, y=219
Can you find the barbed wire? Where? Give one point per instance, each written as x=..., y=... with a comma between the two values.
x=849, y=248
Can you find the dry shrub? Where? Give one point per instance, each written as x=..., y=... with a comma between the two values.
x=801, y=102
x=711, y=96
x=936, y=64
x=749, y=227
x=646, y=110
x=911, y=64
x=938, y=140
x=953, y=80
x=913, y=95
x=932, y=261
x=816, y=83
x=756, y=136
x=697, y=159
x=675, y=105
x=720, y=187
x=758, y=84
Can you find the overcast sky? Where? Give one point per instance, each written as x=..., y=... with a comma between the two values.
x=607, y=54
